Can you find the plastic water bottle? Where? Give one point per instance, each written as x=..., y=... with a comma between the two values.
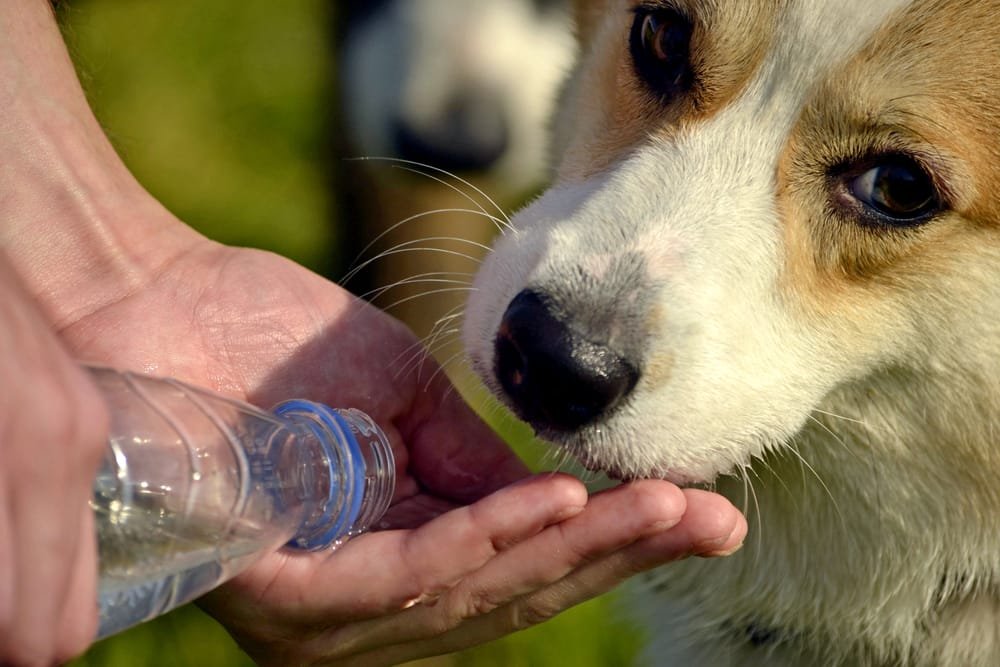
x=195, y=487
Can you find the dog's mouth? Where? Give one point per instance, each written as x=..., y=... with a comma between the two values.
x=612, y=472
x=594, y=449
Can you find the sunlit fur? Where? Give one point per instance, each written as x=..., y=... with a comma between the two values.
x=848, y=374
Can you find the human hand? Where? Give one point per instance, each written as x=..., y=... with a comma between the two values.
x=474, y=574
x=466, y=556
x=53, y=429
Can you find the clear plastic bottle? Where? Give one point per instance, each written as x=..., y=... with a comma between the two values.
x=195, y=487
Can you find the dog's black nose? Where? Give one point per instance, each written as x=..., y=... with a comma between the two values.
x=557, y=379
x=469, y=134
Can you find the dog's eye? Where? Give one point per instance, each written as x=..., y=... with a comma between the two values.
x=897, y=189
x=660, y=43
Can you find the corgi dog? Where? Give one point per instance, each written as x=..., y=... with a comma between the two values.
x=769, y=263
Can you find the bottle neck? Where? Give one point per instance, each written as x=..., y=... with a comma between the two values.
x=343, y=469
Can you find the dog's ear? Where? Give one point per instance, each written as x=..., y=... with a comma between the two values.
x=587, y=15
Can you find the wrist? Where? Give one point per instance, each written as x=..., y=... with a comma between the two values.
x=76, y=226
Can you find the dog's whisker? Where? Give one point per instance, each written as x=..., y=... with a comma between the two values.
x=839, y=440
x=374, y=294
x=419, y=279
x=441, y=326
x=415, y=355
x=419, y=345
x=502, y=224
x=416, y=360
x=407, y=245
x=549, y=460
x=559, y=459
x=567, y=463
x=438, y=170
x=449, y=316
x=841, y=417
x=443, y=335
x=758, y=537
x=427, y=293
x=417, y=352
x=438, y=338
x=426, y=350
x=420, y=216
x=742, y=474
x=441, y=367
x=764, y=461
x=790, y=447
x=441, y=339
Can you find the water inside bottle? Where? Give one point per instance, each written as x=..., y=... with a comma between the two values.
x=153, y=560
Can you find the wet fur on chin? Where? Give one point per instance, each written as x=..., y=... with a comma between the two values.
x=836, y=375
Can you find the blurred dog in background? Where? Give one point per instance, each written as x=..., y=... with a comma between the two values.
x=441, y=86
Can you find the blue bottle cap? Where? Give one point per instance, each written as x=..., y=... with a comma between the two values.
x=342, y=507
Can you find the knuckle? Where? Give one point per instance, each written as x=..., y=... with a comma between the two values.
x=658, y=500
x=479, y=602
x=484, y=533
x=462, y=606
x=531, y=611
x=422, y=573
x=573, y=552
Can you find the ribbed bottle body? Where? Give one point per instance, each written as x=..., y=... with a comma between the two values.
x=195, y=487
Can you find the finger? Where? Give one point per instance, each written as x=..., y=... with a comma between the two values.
x=406, y=565
x=42, y=552
x=713, y=525
x=612, y=520
x=42, y=546
x=55, y=471
x=8, y=565
x=453, y=452
x=78, y=621
x=710, y=525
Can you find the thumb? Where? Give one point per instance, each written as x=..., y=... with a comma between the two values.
x=453, y=453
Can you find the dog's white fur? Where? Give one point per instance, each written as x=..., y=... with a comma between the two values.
x=851, y=378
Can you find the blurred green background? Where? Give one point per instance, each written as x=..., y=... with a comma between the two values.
x=225, y=111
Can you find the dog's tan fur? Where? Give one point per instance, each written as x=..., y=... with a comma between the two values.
x=620, y=112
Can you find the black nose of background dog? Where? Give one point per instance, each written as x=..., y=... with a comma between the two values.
x=556, y=378
x=470, y=135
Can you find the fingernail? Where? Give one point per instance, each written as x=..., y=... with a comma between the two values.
x=726, y=552
x=714, y=546
x=567, y=512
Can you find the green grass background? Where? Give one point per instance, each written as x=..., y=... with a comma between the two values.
x=223, y=111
